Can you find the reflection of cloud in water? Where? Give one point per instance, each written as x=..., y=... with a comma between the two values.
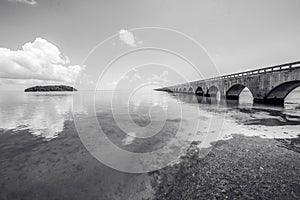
x=130, y=137
x=248, y=120
x=234, y=124
x=149, y=100
x=43, y=114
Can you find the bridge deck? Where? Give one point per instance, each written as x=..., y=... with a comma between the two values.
x=281, y=67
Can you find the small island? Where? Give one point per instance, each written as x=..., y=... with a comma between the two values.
x=50, y=88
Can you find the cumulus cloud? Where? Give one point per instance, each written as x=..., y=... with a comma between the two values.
x=128, y=38
x=135, y=77
x=113, y=83
x=124, y=77
x=163, y=77
x=37, y=60
x=30, y=2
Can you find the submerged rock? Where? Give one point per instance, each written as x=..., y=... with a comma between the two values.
x=50, y=88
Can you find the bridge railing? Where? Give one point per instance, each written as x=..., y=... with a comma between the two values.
x=282, y=67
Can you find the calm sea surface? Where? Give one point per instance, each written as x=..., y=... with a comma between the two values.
x=41, y=153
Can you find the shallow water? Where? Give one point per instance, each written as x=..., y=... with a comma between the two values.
x=43, y=152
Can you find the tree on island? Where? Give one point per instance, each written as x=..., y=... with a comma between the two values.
x=50, y=88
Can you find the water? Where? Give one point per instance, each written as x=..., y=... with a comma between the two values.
x=43, y=114
x=43, y=152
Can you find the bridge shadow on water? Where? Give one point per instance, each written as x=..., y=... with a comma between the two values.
x=205, y=100
x=258, y=114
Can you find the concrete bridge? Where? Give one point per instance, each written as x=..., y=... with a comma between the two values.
x=269, y=85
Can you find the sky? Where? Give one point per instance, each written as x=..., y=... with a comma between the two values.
x=110, y=44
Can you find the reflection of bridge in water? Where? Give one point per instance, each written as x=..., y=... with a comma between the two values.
x=268, y=85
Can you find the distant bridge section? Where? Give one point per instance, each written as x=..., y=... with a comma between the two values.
x=269, y=85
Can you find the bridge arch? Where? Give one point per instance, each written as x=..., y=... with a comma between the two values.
x=212, y=91
x=279, y=92
x=239, y=93
x=234, y=91
x=213, y=95
x=191, y=90
x=184, y=90
x=199, y=91
x=180, y=90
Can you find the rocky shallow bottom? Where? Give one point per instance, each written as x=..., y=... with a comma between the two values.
x=241, y=167
x=238, y=168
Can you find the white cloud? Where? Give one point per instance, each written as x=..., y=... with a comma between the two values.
x=160, y=78
x=124, y=77
x=128, y=38
x=30, y=2
x=136, y=76
x=140, y=42
x=113, y=83
x=37, y=60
